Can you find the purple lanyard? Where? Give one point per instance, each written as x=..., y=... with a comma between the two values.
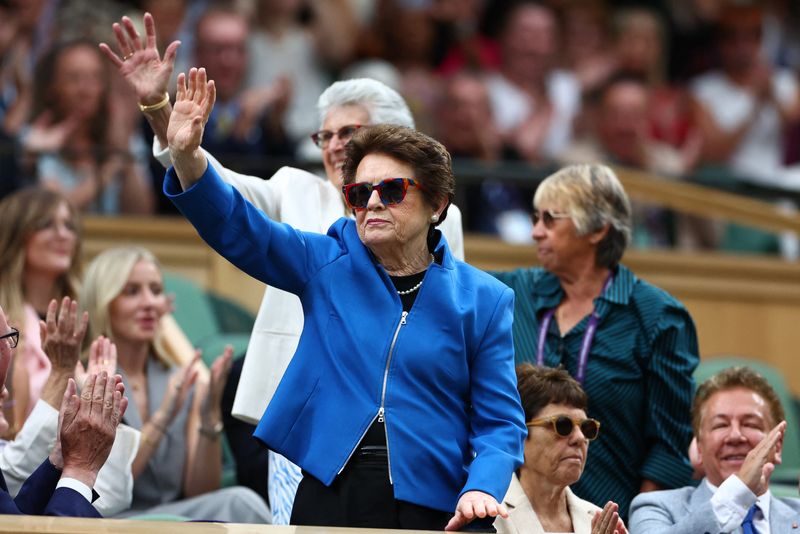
x=588, y=336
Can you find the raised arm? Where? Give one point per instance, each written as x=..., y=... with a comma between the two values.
x=193, y=104
x=145, y=70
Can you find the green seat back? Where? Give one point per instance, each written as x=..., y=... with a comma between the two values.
x=193, y=310
x=790, y=467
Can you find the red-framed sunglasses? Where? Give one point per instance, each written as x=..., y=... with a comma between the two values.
x=391, y=191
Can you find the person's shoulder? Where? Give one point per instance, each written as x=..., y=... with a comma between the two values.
x=522, y=278
x=654, y=298
x=663, y=498
x=471, y=279
x=792, y=504
x=297, y=177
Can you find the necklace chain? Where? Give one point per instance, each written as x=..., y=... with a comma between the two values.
x=409, y=291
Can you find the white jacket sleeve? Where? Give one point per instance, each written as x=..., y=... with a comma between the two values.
x=259, y=192
x=114, y=481
x=20, y=458
x=453, y=231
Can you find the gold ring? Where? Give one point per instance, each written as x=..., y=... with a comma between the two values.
x=104, y=362
x=127, y=57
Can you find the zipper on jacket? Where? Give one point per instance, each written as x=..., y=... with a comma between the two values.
x=381, y=415
x=381, y=410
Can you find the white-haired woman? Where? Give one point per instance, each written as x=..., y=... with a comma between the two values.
x=178, y=466
x=632, y=346
x=292, y=196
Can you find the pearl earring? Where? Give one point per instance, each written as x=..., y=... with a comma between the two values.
x=435, y=218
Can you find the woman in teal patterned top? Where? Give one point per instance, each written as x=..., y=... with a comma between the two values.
x=632, y=345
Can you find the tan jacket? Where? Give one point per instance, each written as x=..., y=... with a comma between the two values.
x=522, y=519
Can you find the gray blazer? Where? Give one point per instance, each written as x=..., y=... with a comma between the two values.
x=688, y=511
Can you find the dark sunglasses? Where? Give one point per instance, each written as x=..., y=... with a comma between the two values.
x=391, y=191
x=547, y=217
x=323, y=137
x=12, y=337
x=563, y=425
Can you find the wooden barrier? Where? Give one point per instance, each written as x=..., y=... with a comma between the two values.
x=746, y=306
x=73, y=525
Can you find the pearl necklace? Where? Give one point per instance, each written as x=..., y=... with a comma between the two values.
x=409, y=291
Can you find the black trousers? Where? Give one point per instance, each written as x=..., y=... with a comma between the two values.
x=361, y=496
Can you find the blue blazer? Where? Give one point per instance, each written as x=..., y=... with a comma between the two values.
x=454, y=422
x=688, y=511
x=39, y=496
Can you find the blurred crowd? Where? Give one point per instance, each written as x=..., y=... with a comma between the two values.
x=668, y=86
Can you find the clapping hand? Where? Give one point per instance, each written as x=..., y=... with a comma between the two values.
x=102, y=357
x=211, y=392
x=142, y=66
x=760, y=462
x=608, y=521
x=87, y=426
x=180, y=383
x=62, y=334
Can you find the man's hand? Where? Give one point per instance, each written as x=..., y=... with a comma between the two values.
x=142, y=66
x=88, y=425
x=62, y=335
x=475, y=504
x=760, y=462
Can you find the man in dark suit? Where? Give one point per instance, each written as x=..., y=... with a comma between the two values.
x=62, y=485
x=738, y=422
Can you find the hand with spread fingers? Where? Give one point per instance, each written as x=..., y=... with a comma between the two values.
x=475, y=504
x=608, y=521
x=88, y=425
x=141, y=65
x=62, y=334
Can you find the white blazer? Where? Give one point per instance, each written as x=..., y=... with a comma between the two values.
x=522, y=519
x=306, y=202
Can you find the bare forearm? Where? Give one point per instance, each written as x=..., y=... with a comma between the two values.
x=54, y=387
x=158, y=121
x=189, y=166
x=152, y=433
x=204, y=472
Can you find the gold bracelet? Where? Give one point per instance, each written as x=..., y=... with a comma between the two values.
x=154, y=107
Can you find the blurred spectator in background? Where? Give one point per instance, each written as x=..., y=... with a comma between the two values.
x=465, y=126
x=619, y=134
x=639, y=40
x=246, y=126
x=460, y=40
x=533, y=104
x=587, y=44
x=691, y=43
x=73, y=145
x=404, y=35
x=39, y=261
x=298, y=55
x=744, y=108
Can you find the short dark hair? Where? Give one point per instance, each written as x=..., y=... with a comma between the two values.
x=733, y=378
x=431, y=161
x=541, y=386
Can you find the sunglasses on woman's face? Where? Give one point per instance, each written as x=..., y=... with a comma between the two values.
x=548, y=217
x=563, y=425
x=391, y=191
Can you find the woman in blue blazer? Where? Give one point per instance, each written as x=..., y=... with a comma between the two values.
x=400, y=403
